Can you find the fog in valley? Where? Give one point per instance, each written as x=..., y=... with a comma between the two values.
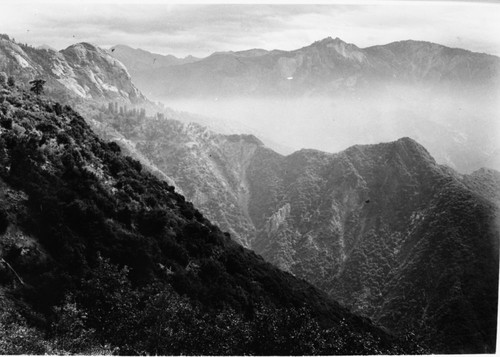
x=460, y=129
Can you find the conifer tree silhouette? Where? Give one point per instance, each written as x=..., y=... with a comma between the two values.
x=37, y=86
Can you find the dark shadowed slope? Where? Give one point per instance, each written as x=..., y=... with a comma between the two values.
x=373, y=225
x=97, y=255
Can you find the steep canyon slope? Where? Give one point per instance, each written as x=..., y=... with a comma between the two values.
x=390, y=233
x=83, y=75
x=98, y=256
x=382, y=228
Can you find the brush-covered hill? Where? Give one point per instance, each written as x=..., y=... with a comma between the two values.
x=209, y=168
x=98, y=256
x=387, y=231
x=382, y=228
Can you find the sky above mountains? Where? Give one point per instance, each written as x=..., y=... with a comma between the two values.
x=203, y=28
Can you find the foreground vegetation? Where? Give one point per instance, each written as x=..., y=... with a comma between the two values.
x=100, y=257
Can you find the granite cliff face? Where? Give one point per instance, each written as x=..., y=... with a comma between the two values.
x=82, y=75
x=82, y=71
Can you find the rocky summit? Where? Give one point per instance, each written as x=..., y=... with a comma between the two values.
x=83, y=71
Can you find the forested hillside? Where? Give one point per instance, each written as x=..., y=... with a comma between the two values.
x=98, y=256
x=382, y=228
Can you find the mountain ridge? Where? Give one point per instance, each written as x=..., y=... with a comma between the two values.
x=81, y=71
x=443, y=97
x=368, y=217
x=97, y=254
x=139, y=60
x=328, y=64
x=335, y=219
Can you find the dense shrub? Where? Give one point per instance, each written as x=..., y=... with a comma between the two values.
x=3, y=79
x=152, y=222
x=130, y=265
x=58, y=109
x=4, y=221
x=114, y=147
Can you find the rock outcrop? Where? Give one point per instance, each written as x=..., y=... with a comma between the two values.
x=82, y=70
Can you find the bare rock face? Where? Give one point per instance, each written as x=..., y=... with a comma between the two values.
x=82, y=70
x=98, y=73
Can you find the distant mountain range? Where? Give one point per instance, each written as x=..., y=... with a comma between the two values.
x=324, y=67
x=138, y=61
x=446, y=98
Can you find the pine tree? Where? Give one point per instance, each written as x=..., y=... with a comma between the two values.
x=37, y=86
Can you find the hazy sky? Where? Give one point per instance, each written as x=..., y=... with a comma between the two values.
x=204, y=28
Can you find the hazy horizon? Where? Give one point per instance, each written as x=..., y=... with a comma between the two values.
x=440, y=120
x=201, y=29
x=436, y=118
x=125, y=229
